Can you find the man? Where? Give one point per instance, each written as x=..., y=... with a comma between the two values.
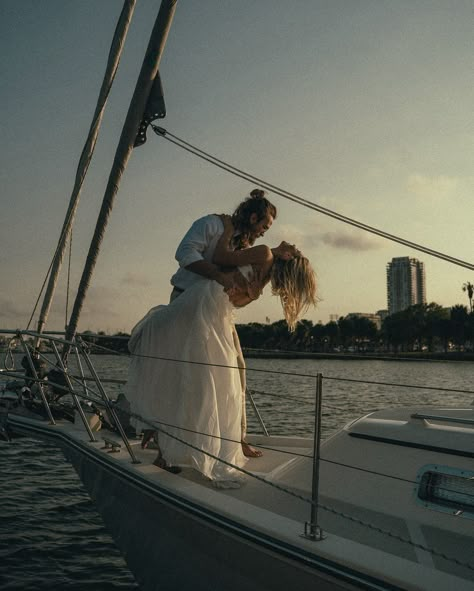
x=252, y=218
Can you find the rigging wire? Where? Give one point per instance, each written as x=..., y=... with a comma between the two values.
x=279, y=372
x=153, y=423
x=161, y=132
x=68, y=280
x=113, y=61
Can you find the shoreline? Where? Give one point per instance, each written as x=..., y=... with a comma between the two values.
x=406, y=356
x=361, y=356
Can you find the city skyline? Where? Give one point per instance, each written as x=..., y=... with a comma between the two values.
x=362, y=108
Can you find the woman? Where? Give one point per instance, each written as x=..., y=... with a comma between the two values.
x=290, y=274
x=183, y=374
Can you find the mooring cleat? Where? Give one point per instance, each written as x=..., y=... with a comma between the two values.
x=111, y=445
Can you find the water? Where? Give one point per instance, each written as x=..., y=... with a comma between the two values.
x=50, y=534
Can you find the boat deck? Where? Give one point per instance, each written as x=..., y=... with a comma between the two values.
x=283, y=465
x=350, y=501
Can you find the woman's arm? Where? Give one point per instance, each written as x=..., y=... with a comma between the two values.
x=227, y=257
x=243, y=294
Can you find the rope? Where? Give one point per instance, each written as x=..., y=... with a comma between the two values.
x=9, y=359
x=161, y=132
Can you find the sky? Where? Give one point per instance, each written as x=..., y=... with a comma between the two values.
x=362, y=106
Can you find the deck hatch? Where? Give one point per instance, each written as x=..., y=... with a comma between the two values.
x=447, y=489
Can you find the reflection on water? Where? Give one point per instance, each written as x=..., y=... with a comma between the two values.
x=52, y=538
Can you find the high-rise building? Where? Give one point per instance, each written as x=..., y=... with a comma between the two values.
x=406, y=285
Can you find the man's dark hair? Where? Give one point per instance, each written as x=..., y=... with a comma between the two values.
x=257, y=203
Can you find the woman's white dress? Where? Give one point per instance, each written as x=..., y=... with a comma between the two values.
x=183, y=377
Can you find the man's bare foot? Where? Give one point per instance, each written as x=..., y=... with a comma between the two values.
x=161, y=463
x=250, y=452
x=148, y=437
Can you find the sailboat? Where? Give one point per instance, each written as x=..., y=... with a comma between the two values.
x=391, y=508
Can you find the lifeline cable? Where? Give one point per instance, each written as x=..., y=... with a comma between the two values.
x=336, y=512
x=279, y=372
x=306, y=500
x=154, y=424
x=161, y=132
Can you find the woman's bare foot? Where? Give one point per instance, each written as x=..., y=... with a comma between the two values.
x=250, y=452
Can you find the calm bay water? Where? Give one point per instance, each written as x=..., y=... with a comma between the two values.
x=50, y=534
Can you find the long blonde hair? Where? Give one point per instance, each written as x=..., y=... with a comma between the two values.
x=294, y=281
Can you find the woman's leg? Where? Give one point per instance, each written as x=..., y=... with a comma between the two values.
x=247, y=450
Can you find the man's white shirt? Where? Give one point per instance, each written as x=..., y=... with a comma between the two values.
x=198, y=244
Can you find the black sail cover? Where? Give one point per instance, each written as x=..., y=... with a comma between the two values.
x=155, y=109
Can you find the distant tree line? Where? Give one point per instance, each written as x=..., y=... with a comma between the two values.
x=103, y=343
x=418, y=328
x=423, y=327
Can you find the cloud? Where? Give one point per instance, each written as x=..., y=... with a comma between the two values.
x=435, y=187
x=340, y=239
x=350, y=241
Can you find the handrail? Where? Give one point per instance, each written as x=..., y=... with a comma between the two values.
x=304, y=375
x=77, y=404
x=101, y=394
x=106, y=399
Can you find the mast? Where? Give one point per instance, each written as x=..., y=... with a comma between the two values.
x=137, y=107
x=86, y=155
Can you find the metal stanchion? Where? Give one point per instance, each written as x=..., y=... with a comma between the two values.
x=106, y=400
x=256, y=411
x=77, y=403
x=312, y=530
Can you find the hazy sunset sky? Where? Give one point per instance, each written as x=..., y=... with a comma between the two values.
x=362, y=106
